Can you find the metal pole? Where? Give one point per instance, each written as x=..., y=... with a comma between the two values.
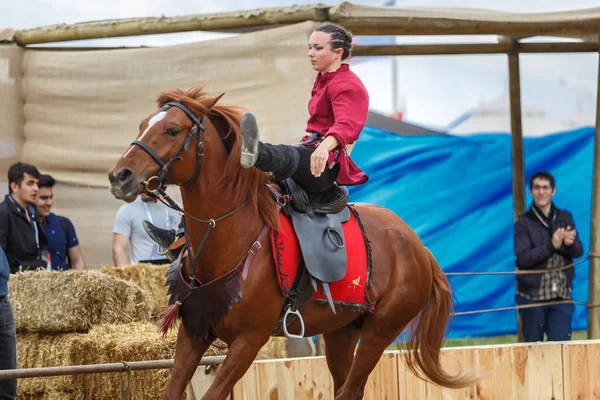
x=395, y=102
x=594, y=273
x=516, y=135
x=98, y=368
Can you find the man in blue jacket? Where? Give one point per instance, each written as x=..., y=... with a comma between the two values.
x=8, y=341
x=545, y=240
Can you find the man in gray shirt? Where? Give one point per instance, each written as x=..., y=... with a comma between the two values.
x=131, y=243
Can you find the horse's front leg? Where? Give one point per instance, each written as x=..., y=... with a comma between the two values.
x=241, y=354
x=188, y=352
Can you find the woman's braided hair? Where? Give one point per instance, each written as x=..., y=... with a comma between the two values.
x=340, y=38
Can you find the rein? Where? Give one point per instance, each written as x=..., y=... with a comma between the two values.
x=158, y=192
x=164, y=198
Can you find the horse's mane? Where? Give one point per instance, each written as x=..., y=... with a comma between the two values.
x=240, y=183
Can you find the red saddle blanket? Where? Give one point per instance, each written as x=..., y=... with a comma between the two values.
x=352, y=290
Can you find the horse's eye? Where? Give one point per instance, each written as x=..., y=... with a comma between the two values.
x=172, y=132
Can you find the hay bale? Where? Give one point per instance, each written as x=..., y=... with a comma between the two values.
x=74, y=301
x=47, y=396
x=151, y=278
x=102, y=344
x=129, y=342
x=36, y=350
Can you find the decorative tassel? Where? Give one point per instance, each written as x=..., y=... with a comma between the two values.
x=168, y=318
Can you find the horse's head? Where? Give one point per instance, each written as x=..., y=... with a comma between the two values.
x=168, y=148
x=191, y=140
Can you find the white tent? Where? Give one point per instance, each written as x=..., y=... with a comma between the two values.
x=494, y=117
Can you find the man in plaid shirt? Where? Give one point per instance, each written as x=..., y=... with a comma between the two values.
x=545, y=240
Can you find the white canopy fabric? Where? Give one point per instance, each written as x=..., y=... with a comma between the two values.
x=494, y=117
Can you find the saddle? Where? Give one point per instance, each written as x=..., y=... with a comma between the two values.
x=317, y=220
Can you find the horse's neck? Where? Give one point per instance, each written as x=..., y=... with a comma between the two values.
x=230, y=238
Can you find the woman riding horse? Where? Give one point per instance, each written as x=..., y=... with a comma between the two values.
x=229, y=210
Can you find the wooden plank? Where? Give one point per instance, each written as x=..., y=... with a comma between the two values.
x=452, y=362
x=383, y=381
x=365, y=20
x=594, y=267
x=485, y=366
x=545, y=371
x=201, y=382
x=593, y=363
x=402, y=376
x=468, y=362
x=433, y=391
x=503, y=373
x=594, y=377
x=516, y=134
x=373, y=385
x=471, y=48
x=414, y=387
x=229, y=21
x=538, y=372
x=519, y=358
x=304, y=382
x=267, y=380
x=322, y=380
x=389, y=376
x=286, y=378
x=247, y=387
x=576, y=371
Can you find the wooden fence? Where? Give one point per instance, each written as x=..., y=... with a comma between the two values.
x=558, y=371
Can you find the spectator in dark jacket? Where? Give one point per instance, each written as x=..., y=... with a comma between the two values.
x=545, y=239
x=8, y=340
x=21, y=236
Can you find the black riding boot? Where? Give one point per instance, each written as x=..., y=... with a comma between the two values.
x=165, y=237
x=280, y=159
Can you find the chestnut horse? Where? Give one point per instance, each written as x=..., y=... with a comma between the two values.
x=407, y=284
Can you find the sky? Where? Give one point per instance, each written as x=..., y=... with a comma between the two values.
x=433, y=90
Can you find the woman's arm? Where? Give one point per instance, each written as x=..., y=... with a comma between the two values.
x=350, y=105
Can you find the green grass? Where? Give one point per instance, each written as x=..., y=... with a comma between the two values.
x=506, y=339
x=481, y=341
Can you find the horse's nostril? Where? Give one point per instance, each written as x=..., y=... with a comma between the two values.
x=124, y=175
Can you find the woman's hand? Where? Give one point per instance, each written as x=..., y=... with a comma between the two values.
x=318, y=161
x=319, y=158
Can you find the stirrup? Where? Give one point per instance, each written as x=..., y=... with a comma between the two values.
x=288, y=335
x=250, y=138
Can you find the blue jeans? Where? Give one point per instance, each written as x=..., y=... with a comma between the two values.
x=553, y=320
x=8, y=349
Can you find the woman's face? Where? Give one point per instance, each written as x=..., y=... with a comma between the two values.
x=322, y=57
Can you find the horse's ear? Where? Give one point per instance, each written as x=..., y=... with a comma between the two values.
x=211, y=101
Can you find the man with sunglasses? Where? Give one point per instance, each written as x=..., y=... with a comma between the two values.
x=545, y=240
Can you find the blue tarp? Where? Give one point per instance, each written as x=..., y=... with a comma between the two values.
x=456, y=193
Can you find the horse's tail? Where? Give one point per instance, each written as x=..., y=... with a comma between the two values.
x=427, y=335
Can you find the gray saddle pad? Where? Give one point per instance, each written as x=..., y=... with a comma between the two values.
x=322, y=242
